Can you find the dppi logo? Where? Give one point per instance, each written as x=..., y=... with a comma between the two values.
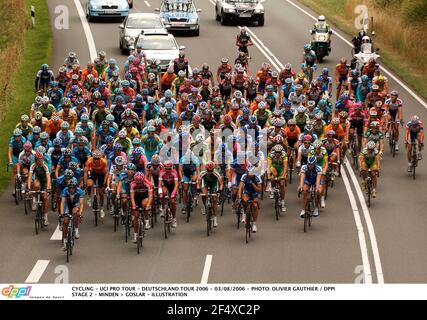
x=15, y=292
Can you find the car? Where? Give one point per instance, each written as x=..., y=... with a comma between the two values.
x=236, y=10
x=132, y=26
x=107, y=9
x=160, y=45
x=180, y=15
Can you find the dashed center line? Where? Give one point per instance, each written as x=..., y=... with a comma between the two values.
x=37, y=271
x=206, y=269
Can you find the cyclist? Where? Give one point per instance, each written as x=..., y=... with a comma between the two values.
x=16, y=146
x=39, y=180
x=414, y=133
x=370, y=159
x=72, y=203
x=278, y=169
x=43, y=78
x=311, y=175
x=342, y=71
x=168, y=185
x=141, y=195
x=357, y=119
x=243, y=41
x=64, y=160
x=123, y=188
x=65, y=134
x=249, y=189
x=321, y=155
x=394, y=106
x=374, y=134
x=189, y=171
x=114, y=173
x=210, y=182
x=303, y=151
x=96, y=171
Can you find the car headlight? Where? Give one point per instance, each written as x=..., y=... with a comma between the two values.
x=129, y=39
x=229, y=10
x=95, y=6
x=194, y=20
x=259, y=11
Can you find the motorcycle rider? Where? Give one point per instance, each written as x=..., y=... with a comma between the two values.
x=323, y=27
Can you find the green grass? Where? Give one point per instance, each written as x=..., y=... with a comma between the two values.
x=36, y=50
x=341, y=16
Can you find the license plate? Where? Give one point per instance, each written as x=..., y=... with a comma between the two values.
x=110, y=11
x=178, y=24
x=245, y=15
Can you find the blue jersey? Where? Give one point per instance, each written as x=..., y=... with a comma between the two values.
x=162, y=101
x=39, y=143
x=247, y=181
x=61, y=183
x=151, y=113
x=104, y=134
x=311, y=175
x=189, y=163
x=125, y=182
x=64, y=163
x=72, y=199
x=65, y=138
x=17, y=147
x=55, y=97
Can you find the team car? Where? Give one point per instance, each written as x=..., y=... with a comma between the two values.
x=107, y=9
x=236, y=10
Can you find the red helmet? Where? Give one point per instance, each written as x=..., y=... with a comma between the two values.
x=210, y=166
x=139, y=177
x=307, y=138
x=168, y=164
x=28, y=146
x=227, y=119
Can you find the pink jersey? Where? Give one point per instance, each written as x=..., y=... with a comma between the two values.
x=143, y=188
x=168, y=177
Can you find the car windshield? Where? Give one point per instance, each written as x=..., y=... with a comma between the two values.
x=178, y=6
x=143, y=23
x=242, y=1
x=158, y=43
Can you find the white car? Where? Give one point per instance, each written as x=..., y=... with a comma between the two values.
x=131, y=28
x=159, y=45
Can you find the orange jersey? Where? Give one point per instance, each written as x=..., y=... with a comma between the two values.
x=86, y=72
x=234, y=114
x=97, y=166
x=339, y=132
x=167, y=79
x=293, y=135
x=341, y=70
x=180, y=107
x=253, y=107
x=52, y=127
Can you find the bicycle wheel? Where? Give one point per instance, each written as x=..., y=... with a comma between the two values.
x=208, y=220
x=17, y=191
x=238, y=217
x=368, y=191
x=69, y=244
x=37, y=223
x=414, y=165
x=165, y=223
x=127, y=224
x=53, y=200
x=307, y=214
x=27, y=206
x=326, y=187
x=277, y=206
x=248, y=227
x=140, y=235
x=95, y=209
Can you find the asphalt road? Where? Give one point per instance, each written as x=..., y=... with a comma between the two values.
x=331, y=252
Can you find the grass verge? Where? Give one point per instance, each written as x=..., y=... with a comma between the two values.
x=400, y=43
x=20, y=58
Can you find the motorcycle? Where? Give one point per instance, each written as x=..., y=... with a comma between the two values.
x=365, y=54
x=320, y=43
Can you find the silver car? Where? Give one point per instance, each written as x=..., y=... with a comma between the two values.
x=159, y=45
x=131, y=28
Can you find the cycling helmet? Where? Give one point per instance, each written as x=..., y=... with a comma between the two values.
x=150, y=100
x=246, y=110
x=253, y=119
x=311, y=160
x=238, y=94
x=308, y=138
x=109, y=139
x=168, y=94
x=364, y=78
x=375, y=124
x=307, y=47
x=301, y=109
x=325, y=71
x=73, y=165
x=181, y=73
x=28, y=146
x=117, y=147
x=354, y=73
x=44, y=136
x=311, y=103
x=68, y=173
x=44, y=67
x=57, y=142
x=318, y=116
x=317, y=144
x=262, y=105
x=343, y=114
x=136, y=141
x=45, y=100
x=224, y=60
x=155, y=160
x=151, y=129
x=394, y=93
x=131, y=166
x=96, y=154
x=210, y=166
x=227, y=119
x=17, y=132
x=357, y=106
x=308, y=127
x=119, y=161
x=251, y=169
x=278, y=123
x=288, y=81
x=269, y=88
x=163, y=112
x=292, y=122
x=96, y=95
x=105, y=124
x=335, y=121
x=278, y=148
x=65, y=125
x=41, y=149
x=37, y=130
x=168, y=165
x=371, y=145
x=375, y=87
x=125, y=83
x=122, y=134
x=73, y=183
x=112, y=61
x=38, y=100
x=139, y=177
x=137, y=151
x=331, y=133
x=67, y=153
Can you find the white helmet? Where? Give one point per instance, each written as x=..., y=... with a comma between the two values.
x=321, y=18
x=366, y=39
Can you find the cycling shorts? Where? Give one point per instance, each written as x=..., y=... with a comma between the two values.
x=393, y=114
x=358, y=127
x=98, y=178
x=69, y=206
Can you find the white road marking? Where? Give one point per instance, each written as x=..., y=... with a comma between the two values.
x=206, y=269
x=86, y=28
x=412, y=93
x=375, y=251
x=371, y=231
x=147, y=3
x=57, y=234
x=37, y=271
x=360, y=232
